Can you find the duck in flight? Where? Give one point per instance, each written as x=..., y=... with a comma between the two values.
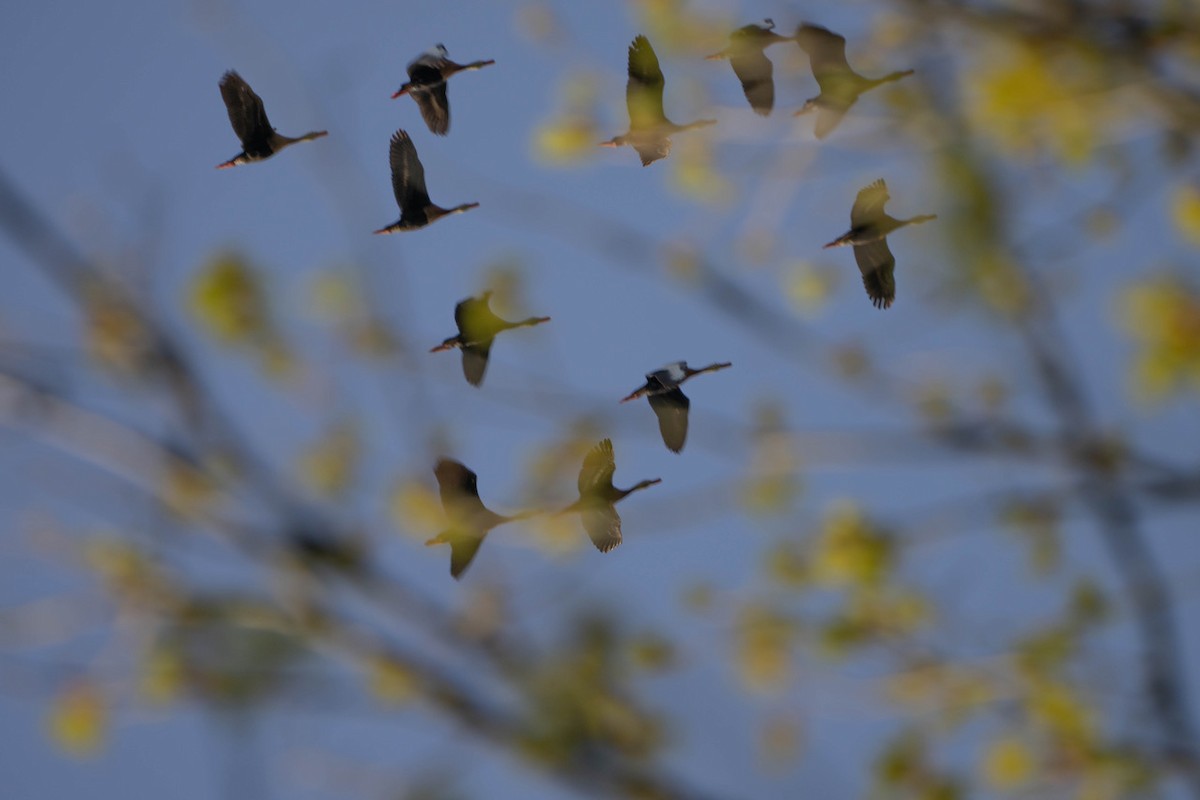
x=751, y=65
x=598, y=497
x=869, y=227
x=427, y=77
x=649, y=129
x=478, y=327
x=470, y=520
x=840, y=85
x=408, y=184
x=249, y=120
x=668, y=401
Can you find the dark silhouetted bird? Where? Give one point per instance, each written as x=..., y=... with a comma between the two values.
x=649, y=129
x=478, y=326
x=669, y=402
x=750, y=63
x=250, y=123
x=470, y=520
x=840, y=85
x=408, y=184
x=598, y=496
x=427, y=76
x=869, y=225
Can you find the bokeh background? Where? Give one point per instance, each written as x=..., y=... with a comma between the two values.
x=943, y=550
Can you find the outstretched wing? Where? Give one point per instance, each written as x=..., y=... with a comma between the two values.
x=868, y=205
x=598, y=468
x=826, y=52
x=408, y=176
x=464, y=544
x=877, y=265
x=671, y=408
x=475, y=361
x=246, y=112
x=603, y=526
x=755, y=71
x=435, y=107
x=644, y=90
x=458, y=486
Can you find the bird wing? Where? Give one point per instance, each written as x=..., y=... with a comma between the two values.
x=598, y=468
x=435, y=107
x=408, y=176
x=475, y=361
x=603, y=526
x=826, y=52
x=644, y=90
x=464, y=544
x=246, y=112
x=868, y=205
x=828, y=118
x=671, y=408
x=653, y=150
x=877, y=265
x=755, y=71
x=458, y=486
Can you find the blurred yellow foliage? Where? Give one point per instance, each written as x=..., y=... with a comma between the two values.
x=187, y=490
x=162, y=676
x=809, y=287
x=115, y=337
x=1060, y=709
x=1030, y=97
x=416, y=509
x=572, y=133
x=850, y=552
x=227, y=298
x=1185, y=210
x=764, y=639
x=391, y=681
x=694, y=173
x=1162, y=314
x=328, y=466
x=1007, y=763
x=78, y=717
x=773, y=481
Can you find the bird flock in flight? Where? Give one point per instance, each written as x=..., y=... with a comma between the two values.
x=649, y=135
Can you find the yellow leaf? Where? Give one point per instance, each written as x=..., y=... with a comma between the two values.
x=328, y=466
x=850, y=552
x=809, y=287
x=227, y=299
x=392, y=682
x=1185, y=210
x=763, y=652
x=77, y=719
x=416, y=509
x=1007, y=764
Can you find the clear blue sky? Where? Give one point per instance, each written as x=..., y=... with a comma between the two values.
x=113, y=125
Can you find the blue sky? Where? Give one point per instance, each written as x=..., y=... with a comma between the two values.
x=114, y=126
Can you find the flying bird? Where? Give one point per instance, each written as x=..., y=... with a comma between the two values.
x=470, y=519
x=750, y=63
x=250, y=123
x=478, y=327
x=869, y=227
x=598, y=497
x=649, y=129
x=427, y=76
x=669, y=402
x=840, y=85
x=408, y=184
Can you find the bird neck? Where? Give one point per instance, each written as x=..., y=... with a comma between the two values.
x=283, y=141
x=475, y=65
x=893, y=76
x=530, y=322
x=639, y=486
x=710, y=368
x=917, y=220
x=700, y=123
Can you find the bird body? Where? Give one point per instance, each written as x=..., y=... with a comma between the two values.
x=667, y=400
x=478, y=327
x=598, y=497
x=427, y=76
x=649, y=129
x=248, y=117
x=840, y=85
x=751, y=65
x=470, y=520
x=869, y=227
x=408, y=184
